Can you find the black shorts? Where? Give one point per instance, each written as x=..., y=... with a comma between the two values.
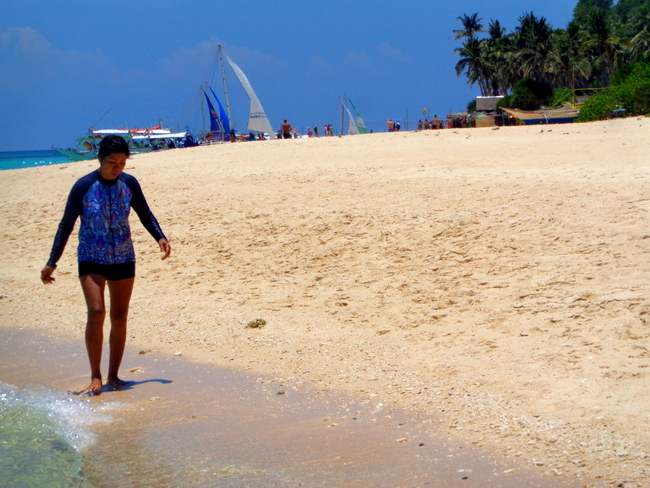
x=111, y=272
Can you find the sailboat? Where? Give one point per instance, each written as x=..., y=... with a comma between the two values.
x=221, y=124
x=355, y=123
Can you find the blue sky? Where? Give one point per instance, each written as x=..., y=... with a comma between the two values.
x=65, y=63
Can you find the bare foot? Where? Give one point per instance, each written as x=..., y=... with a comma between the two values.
x=94, y=388
x=116, y=383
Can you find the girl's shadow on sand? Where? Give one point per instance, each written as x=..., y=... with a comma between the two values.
x=126, y=385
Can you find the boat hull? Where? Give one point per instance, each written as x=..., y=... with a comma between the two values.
x=544, y=116
x=551, y=120
x=78, y=156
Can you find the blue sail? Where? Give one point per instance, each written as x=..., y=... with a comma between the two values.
x=219, y=127
x=224, y=117
x=215, y=124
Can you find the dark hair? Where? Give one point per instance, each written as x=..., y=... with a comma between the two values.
x=113, y=144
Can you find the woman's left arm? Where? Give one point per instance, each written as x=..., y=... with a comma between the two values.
x=139, y=204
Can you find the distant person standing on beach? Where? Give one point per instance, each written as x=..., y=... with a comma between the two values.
x=391, y=125
x=102, y=200
x=286, y=130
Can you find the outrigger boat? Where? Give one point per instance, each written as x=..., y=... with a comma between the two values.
x=550, y=116
x=139, y=140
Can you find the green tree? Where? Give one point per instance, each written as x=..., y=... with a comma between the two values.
x=584, y=7
x=626, y=10
x=630, y=89
x=471, y=26
x=496, y=56
x=533, y=46
x=640, y=44
x=567, y=61
x=606, y=48
x=632, y=18
x=603, y=36
x=472, y=64
x=531, y=94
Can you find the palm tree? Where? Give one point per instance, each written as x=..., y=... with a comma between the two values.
x=567, y=61
x=471, y=26
x=584, y=7
x=641, y=43
x=607, y=48
x=496, y=59
x=472, y=64
x=509, y=69
x=495, y=30
x=471, y=53
x=534, y=46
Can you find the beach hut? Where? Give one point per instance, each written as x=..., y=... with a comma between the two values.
x=487, y=104
x=486, y=110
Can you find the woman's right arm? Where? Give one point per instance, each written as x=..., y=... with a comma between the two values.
x=73, y=209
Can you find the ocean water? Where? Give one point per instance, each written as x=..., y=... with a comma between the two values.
x=30, y=159
x=42, y=433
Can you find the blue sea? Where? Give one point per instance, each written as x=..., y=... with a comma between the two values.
x=30, y=159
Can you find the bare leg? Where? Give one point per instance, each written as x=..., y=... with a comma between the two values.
x=93, y=288
x=120, y=291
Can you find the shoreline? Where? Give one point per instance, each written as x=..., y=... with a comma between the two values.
x=180, y=422
x=497, y=277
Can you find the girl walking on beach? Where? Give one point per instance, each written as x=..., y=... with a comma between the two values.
x=102, y=200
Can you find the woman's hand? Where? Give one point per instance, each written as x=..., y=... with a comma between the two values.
x=165, y=248
x=46, y=275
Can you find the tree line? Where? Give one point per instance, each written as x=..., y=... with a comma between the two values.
x=604, y=45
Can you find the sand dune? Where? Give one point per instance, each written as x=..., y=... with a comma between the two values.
x=495, y=278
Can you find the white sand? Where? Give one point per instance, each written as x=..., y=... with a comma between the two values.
x=496, y=277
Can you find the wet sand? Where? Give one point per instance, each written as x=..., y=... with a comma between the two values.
x=186, y=424
x=496, y=279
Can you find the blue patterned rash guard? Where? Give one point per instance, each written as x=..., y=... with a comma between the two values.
x=104, y=206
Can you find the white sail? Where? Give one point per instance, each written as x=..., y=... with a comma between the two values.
x=257, y=119
x=352, y=127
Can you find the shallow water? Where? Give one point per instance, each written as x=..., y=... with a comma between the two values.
x=184, y=424
x=42, y=432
